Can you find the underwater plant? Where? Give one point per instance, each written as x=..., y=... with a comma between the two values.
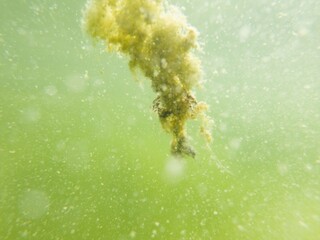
x=158, y=40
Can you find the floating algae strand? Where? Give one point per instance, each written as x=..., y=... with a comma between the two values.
x=158, y=41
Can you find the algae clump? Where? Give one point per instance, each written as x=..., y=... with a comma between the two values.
x=158, y=40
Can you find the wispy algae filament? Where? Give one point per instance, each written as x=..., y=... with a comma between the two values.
x=158, y=40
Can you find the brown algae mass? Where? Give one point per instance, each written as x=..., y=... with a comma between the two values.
x=158, y=40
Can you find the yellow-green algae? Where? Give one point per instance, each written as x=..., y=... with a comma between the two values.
x=158, y=40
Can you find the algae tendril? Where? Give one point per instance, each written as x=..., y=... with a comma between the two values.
x=158, y=40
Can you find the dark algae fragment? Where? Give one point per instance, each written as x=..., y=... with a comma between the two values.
x=158, y=40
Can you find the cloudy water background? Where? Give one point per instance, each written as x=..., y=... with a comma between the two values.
x=83, y=156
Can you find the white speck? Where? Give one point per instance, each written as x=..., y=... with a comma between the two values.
x=308, y=167
x=50, y=90
x=244, y=33
x=86, y=74
x=154, y=233
x=132, y=234
x=24, y=234
x=164, y=87
x=203, y=190
x=34, y=204
x=77, y=155
x=31, y=114
x=235, y=143
x=223, y=127
x=241, y=228
x=303, y=224
x=283, y=169
x=282, y=14
x=224, y=71
x=203, y=222
x=164, y=63
x=156, y=73
x=76, y=83
x=174, y=169
x=302, y=32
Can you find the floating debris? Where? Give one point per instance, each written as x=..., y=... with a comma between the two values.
x=158, y=40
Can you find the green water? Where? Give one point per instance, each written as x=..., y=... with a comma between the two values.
x=82, y=155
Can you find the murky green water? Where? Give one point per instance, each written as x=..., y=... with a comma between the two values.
x=84, y=157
